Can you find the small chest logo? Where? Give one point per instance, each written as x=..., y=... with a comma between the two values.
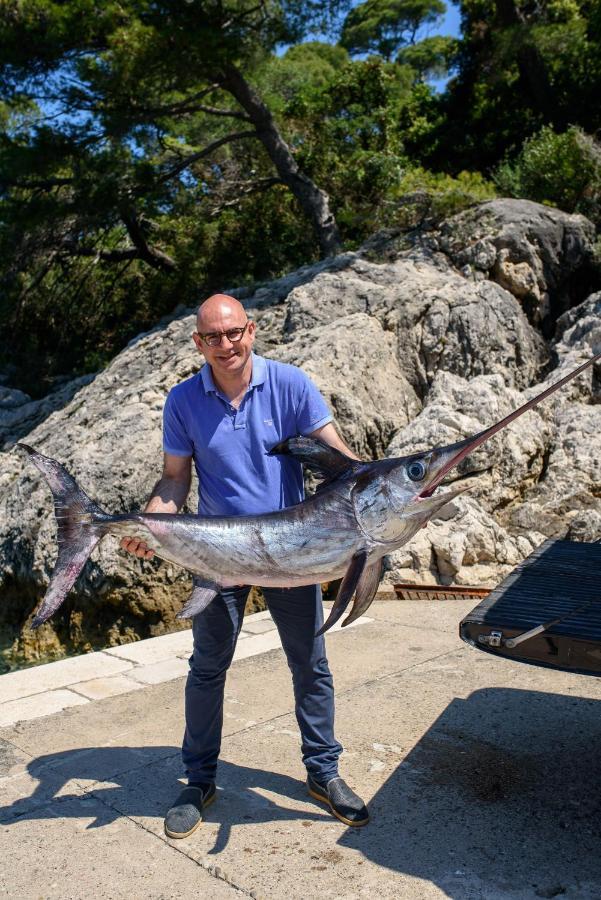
x=268, y=421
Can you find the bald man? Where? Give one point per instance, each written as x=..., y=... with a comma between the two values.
x=225, y=419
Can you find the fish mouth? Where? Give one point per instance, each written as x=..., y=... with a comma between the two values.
x=462, y=481
x=444, y=459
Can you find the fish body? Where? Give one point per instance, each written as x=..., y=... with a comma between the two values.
x=361, y=512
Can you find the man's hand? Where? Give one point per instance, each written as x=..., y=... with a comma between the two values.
x=137, y=547
x=168, y=496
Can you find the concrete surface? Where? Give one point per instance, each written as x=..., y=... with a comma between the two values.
x=482, y=777
x=41, y=690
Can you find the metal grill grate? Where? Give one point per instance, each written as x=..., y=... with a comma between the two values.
x=558, y=577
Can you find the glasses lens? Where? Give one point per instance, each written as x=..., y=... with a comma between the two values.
x=234, y=334
x=213, y=340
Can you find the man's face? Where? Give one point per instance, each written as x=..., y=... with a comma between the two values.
x=228, y=357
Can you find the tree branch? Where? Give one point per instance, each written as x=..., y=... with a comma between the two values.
x=46, y=184
x=152, y=255
x=262, y=185
x=106, y=255
x=194, y=157
x=215, y=111
x=141, y=249
x=314, y=201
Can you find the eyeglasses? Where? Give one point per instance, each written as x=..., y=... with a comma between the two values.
x=213, y=338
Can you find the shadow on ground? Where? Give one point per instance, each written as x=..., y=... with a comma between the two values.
x=499, y=798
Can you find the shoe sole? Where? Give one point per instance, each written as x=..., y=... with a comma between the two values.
x=356, y=824
x=185, y=834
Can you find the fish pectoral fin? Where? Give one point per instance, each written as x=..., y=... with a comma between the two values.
x=366, y=590
x=202, y=594
x=346, y=589
x=317, y=455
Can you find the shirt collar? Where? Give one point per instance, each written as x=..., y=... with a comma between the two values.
x=259, y=374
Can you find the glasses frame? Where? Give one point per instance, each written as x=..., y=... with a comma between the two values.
x=222, y=334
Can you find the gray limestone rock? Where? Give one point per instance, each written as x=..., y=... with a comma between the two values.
x=440, y=320
x=354, y=364
x=21, y=417
x=535, y=252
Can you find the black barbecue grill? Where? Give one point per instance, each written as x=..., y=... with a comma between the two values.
x=547, y=612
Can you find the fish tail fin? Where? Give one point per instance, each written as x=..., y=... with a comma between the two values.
x=81, y=523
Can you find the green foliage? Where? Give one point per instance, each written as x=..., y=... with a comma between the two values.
x=128, y=184
x=433, y=57
x=347, y=137
x=384, y=26
x=428, y=197
x=520, y=66
x=561, y=170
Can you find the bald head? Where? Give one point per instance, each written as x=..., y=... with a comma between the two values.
x=219, y=306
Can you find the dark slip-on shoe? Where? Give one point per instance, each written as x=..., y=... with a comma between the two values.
x=185, y=815
x=343, y=802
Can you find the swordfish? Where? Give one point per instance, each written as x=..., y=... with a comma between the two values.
x=359, y=513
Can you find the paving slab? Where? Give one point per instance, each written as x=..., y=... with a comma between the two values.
x=158, y=672
x=258, y=689
x=43, y=704
x=259, y=627
x=101, y=688
x=474, y=792
x=431, y=615
x=59, y=674
x=79, y=847
x=155, y=649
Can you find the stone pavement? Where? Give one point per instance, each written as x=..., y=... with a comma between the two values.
x=483, y=777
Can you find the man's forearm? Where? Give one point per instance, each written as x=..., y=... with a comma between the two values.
x=168, y=495
x=329, y=434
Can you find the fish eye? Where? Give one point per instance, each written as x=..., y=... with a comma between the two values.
x=416, y=471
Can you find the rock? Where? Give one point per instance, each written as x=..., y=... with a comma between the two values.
x=457, y=409
x=21, y=418
x=11, y=398
x=441, y=321
x=462, y=545
x=539, y=254
x=356, y=368
x=109, y=436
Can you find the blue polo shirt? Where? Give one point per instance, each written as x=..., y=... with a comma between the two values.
x=229, y=446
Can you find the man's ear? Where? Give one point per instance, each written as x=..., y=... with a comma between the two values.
x=197, y=340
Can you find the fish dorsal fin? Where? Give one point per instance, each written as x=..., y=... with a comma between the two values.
x=317, y=455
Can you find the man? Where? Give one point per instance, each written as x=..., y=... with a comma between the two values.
x=226, y=418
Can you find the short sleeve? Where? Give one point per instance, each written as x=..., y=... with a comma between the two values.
x=312, y=411
x=176, y=439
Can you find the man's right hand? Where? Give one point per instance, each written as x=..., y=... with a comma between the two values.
x=168, y=496
x=136, y=547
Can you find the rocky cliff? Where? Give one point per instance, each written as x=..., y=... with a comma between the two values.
x=413, y=343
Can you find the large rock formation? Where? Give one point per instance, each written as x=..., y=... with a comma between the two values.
x=410, y=347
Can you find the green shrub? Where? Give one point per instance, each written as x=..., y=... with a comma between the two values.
x=428, y=197
x=562, y=170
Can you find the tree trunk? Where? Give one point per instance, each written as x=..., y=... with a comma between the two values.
x=314, y=202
